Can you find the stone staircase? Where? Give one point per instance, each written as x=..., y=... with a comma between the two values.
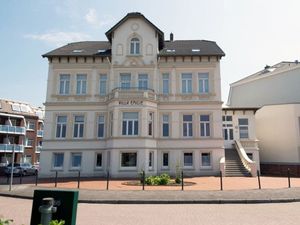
x=233, y=165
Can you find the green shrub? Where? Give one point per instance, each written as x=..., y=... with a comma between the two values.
x=5, y=221
x=163, y=179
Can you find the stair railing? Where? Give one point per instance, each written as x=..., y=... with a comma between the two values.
x=248, y=163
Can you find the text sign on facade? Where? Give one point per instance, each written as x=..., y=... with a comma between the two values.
x=131, y=102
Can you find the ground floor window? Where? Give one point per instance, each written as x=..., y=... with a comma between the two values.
x=99, y=160
x=151, y=160
x=128, y=159
x=250, y=155
x=188, y=159
x=165, y=160
x=205, y=159
x=76, y=160
x=58, y=160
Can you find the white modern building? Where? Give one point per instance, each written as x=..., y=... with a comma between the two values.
x=275, y=93
x=135, y=102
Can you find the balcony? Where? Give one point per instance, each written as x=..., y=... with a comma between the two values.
x=132, y=93
x=38, y=149
x=10, y=147
x=40, y=133
x=7, y=129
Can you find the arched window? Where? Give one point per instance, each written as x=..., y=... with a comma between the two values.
x=135, y=46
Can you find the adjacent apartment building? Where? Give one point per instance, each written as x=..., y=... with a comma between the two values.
x=21, y=132
x=134, y=102
x=275, y=94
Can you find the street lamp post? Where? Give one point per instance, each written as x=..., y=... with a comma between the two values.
x=12, y=167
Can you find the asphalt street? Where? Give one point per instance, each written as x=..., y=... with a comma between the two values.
x=175, y=214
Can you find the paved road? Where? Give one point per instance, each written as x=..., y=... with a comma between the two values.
x=211, y=214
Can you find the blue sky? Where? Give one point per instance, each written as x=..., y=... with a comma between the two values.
x=252, y=34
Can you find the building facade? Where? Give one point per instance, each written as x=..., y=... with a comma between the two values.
x=274, y=92
x=21, y=132
x=135, y=102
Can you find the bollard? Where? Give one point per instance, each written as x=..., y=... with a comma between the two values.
x=46, y=210
x=107, y=180
x=78, y=179
x=21, y=178
x=289, y=177
x=221, y=180
x=182, y=182
x=143, y=180
x=258, y=178
x=55, y=185
x=36, y=178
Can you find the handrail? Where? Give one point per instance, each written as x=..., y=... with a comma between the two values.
x=248, y=163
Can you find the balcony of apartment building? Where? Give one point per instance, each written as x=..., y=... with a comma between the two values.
x=40, y=130
x=133, y=94
x=12, y=124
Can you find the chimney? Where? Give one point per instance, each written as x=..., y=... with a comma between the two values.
x=171, y=36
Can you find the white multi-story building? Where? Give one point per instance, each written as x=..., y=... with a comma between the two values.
x=135, y=102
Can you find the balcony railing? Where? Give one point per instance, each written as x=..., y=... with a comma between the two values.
x=132, y=93
x=11, y=148
x=40, y=133
x=12, y=129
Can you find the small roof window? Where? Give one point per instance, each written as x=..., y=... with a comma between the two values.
x=170, y=50
x=101, y=50
x=15, y=107
x=195, y=50
x=77, y=50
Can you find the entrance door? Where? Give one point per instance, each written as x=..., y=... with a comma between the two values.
x=228, y=131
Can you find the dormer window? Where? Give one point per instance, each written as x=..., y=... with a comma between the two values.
x=135, y=46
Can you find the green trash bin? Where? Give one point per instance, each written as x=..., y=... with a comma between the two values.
x=64, y=201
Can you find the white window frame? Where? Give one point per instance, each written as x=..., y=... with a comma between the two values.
x=96, y=160
x=64, y=84
x=143, y=81
x=162, y=160
x=78, y=126
x=188, y=166
x=135, y=46
x=101, y=122
x=188, y=124
x=151, y=124
x=203, y=82
x=186, y=83
x=243, y=126
x=125, y=83
x=72, y=167
x=210, y=162
x=81, y=84
x=62, y=125
x=165, y=121
x=151, y=160
x=227, y=128
x=165, y=83
x=103, y=84
x=54, y=158
x=129, y=167
x=207, y=131
x=127, y=121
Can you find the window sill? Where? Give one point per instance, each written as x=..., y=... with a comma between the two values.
x=186, y=168
x=98, y=169
x=128, y=169
x=206, y=168
x=59, y=169
x=134, y=55
x=75, y=169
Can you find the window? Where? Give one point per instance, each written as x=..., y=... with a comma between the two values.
x=78, y=126
x=250, y=155
x=30, y=125
x=103, y=84
x=165, y=126
x=186, y=82
x=58, y=160
x=61, y=126
x=143, y=81
x=125, y=79
x=64, y=84
x=187, y=125
x=28, y=142
x=81, y=84
x=130, y=123
x=151, y=160
x=150, y=124
x=135, y=46
x=128, y=159
x=227, y=128
x=243, y=128
x=111, y=123
x=99, y=160
x=76, y=160
x=204, y=126
x=188, y=159
x=203, y=83
x=165, y=84
x=100, y=133
x=165, y=159
x=205, y=160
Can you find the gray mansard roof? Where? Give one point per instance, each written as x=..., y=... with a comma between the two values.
x=171, y=48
